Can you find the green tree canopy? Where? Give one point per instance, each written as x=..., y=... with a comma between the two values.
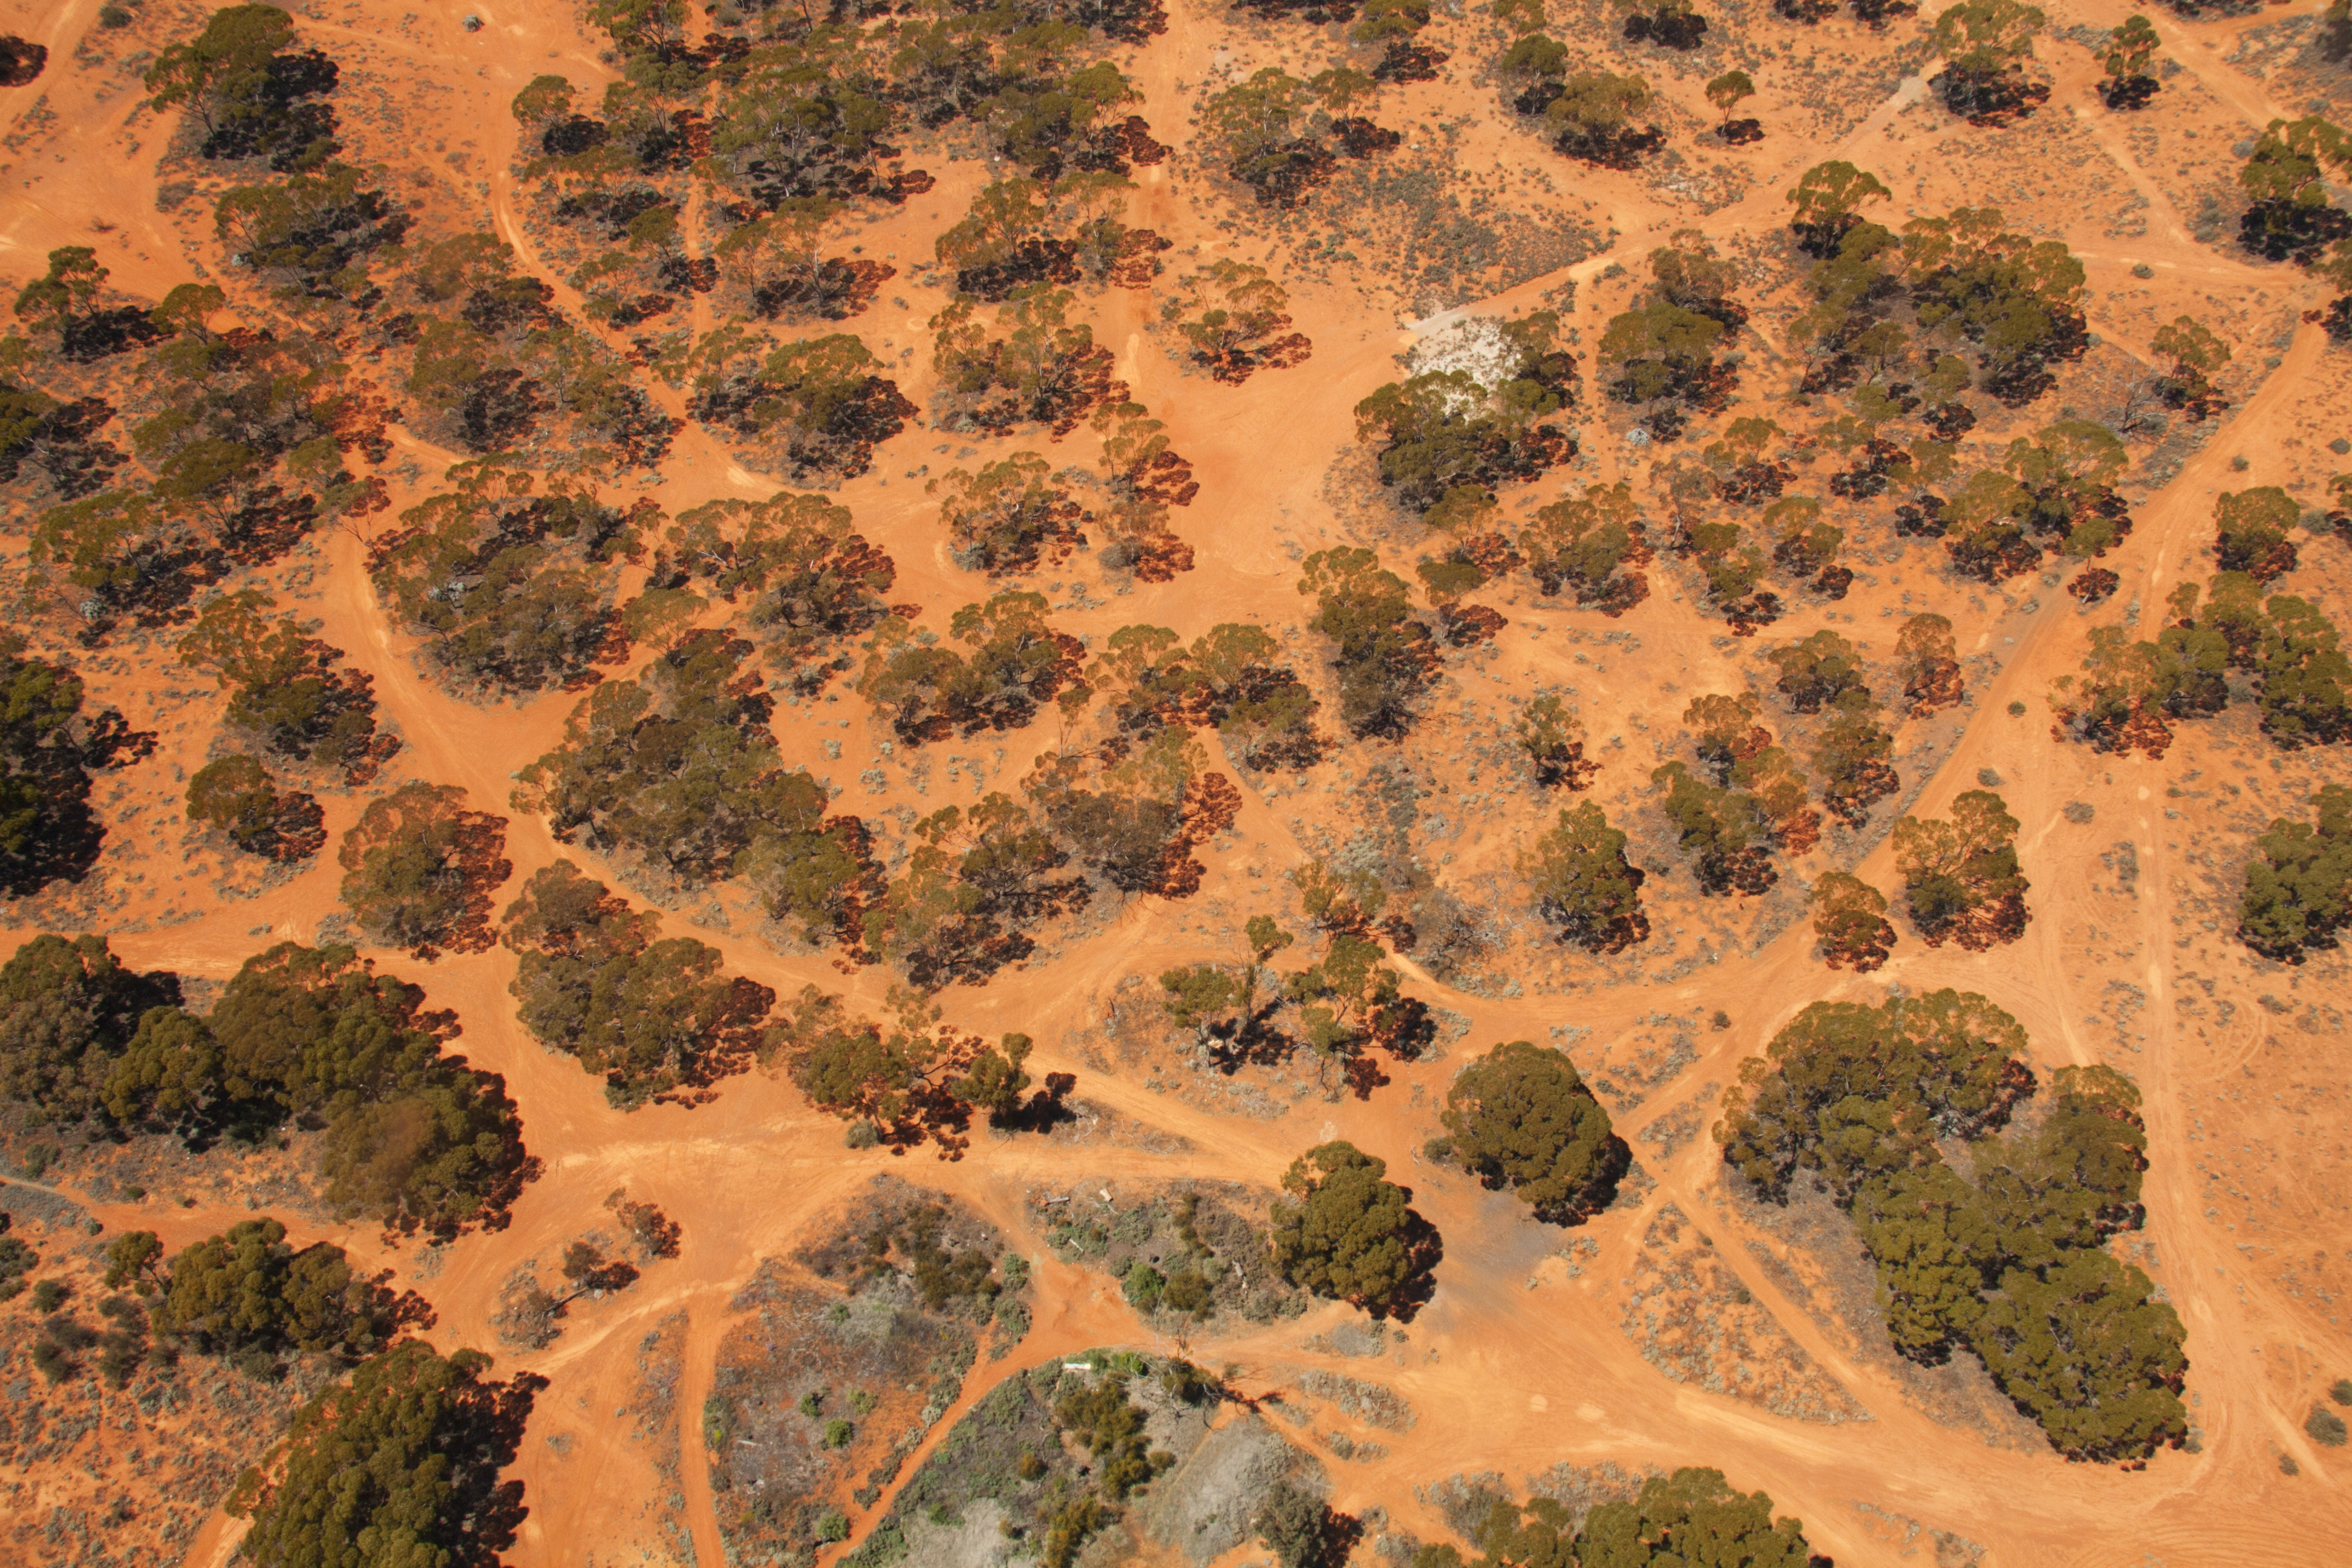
x=1521, y=1118
x=398, y=1466
x=1344, y=1231
x=1583, y=884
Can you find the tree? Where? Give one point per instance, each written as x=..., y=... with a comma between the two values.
x=1004, y=519
x=1829, y=198
x=1590, y=543
x=1583, y=883
x=2298, y=892
x=2250, y=533
x=1960, y=878
x=1296, y=1525
x=400, y=1465
x=1850, y=922
x=510, y=578
x=1986, y=44
x=1134, y=818
x=896, y=1078
x=995, y=1082
x=1521, y=1118
x=1347, y=1234
x=237, y=794
x=312, y=230
x=1694, y=1516
x=813, y=581
x=976, y=884
x=248, y=1293
x=2197, y=355
x=2085, y=1351
x=1930, y=663
x=1664, y=355
x=418, y=870
x=1235, y=320
x=1553, y=736
x=1725, y=93
x=1382, y=653
x=49, y=747
x=287, y=689
x=2131, y=50
x=661, y=1019
x=68, y=291
x=1818, y=671
x=68, y=1010
x=1017, y=662
x=1849, y=756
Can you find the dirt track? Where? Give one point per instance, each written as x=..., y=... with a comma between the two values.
x=1507, y=1373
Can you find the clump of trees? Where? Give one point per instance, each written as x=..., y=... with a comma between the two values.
x=679, y=766
x=977, y=882
x=1343, y=1004
x=1233, y=677
x=904, y=1081
x=1894, y=308
x=2010, y=1261
x=1960, y=878
x=659, y=1017
x=1755, y=782
x=403, y=1458
x=1383, y=653
x=249, y=1297
x=1017, y=662
x=235, y=795
x=2298, y=891
x=1662, y=352
x=1850, y=924
x=286, y=689
x=1347, y=1233
x=1724, y=833
x=810, y=583
x=1133, y=816
x=1594, y=543
x=511, y=580
x=1283, y=137
x=1234, y=321
x=48, y=749
x=2290, y=217
x=1691, y=1516
x=811, y=410
x=1010, y=516
x=256, y=98
x=1521, y=1118
x=418, y=871
x=1444, y=431
x=1583, y=883
x=410, y=1135
x=2054, y=491
x=1591, y=115
x=1043, y=370
x=2128, y=694
x=1021, y=232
